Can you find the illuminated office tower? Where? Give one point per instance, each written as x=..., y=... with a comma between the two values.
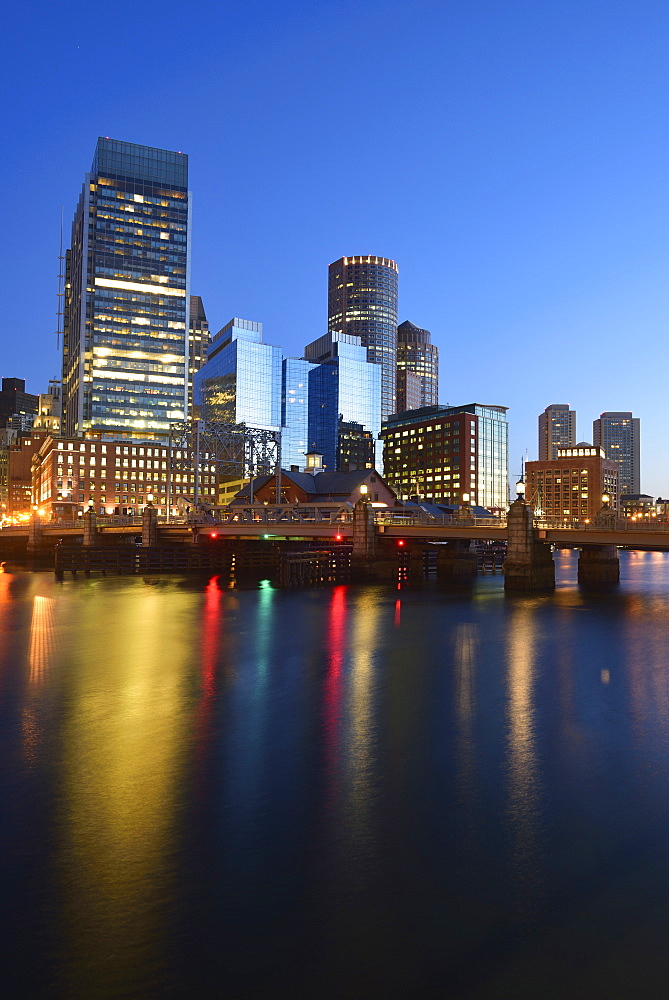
x=617, y=432
x=295, y=403
x=557, y=429
x=362, y=302
x=125, y=343
x=241, y=381
x=417, y=358
x=198, y=343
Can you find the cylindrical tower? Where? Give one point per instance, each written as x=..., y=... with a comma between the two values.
x=362, y=302
x=417, y=356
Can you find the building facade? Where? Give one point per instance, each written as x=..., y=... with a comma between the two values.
x=416, y=354
x=49, y=409
x=19, y=471
x=445, y=453
x=295, y=403
x=362, y=302
x=345, y=391
x=557, y=429
x=241, y=381
x=618, y=433
x=118, y=477
x=571, y=486
x=409, y=391
x=125, y=342
x=198, y=343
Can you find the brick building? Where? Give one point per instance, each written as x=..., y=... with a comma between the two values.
x=571, y=486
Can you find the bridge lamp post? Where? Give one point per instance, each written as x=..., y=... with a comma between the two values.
x=520, y=490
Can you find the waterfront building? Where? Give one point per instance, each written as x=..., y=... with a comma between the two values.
x=17, y=407
x=119, y=476
x=320, y=486
x=446, y=453
x=199, y=339
x=362, y=302
x=19, y=471
x=571, y=486
x=126, y=311
x=345, y=391
x=638, y=505
x=241, y=380
x=557, y=429
x=416, y=354
x=618, y=434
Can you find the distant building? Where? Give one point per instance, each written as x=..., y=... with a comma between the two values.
x=345, y=391
x=618, y=434
x=19, y=473
x=127, y=295
x=571, y=486
x=362, y=302
x=557, y=429
x=241, y=381
x=418, y=356
x=49, y=409
x=445, y=453
x=198, y=343
x=295, y=402
x=17, y=407
x=638, y=505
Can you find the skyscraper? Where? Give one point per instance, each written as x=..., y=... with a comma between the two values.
x=344, y=403
x=557, y=429
x=618, y=433
x=198, y=343
x=362, y=302
x=416, y=355
x=125, y=343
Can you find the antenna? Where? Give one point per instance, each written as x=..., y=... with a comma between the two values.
x=60, y=310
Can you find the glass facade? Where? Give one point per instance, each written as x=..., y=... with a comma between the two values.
x=362, y=302
x=344, y=390
x=199, y=339
x=125, y=344
x=618, y=433
x=417, y=356
x=295, y=412
x=241, y=381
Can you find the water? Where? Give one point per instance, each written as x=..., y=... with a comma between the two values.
x=354, y=792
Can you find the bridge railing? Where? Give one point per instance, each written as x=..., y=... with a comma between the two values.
x=278, y=514
x=604, y=524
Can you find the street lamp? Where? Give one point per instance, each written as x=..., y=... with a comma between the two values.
x=606, y=499
x=520, y=489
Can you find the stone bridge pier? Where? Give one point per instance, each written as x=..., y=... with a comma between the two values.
x=598, y=566
x=529, y=562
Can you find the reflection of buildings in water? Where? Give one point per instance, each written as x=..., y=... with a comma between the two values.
x=42, y=638
x=125, y=741
x=523, y=765
x=465, y=642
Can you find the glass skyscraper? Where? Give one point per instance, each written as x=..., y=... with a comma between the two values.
x=362, y=302
x=344, y=403
x=199, y=339
x=125, y=345
x=295, y=412
x=241, y=381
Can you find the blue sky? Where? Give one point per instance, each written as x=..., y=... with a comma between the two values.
x=512, y=157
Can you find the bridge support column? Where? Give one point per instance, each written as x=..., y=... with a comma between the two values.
x=34, y=533
x=90, y=528
x=149, y=526
x=364, y=532
x=455, y=562
x=529, y=562
x=598, y=566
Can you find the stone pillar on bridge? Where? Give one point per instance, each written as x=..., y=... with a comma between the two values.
x=529, y=562
x=34, y=532
x=364, y=532
x=90, y=524
x=149, y=526
x=455, y=562
x=598, y=566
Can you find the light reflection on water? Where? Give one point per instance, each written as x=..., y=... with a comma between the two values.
x=346, y=792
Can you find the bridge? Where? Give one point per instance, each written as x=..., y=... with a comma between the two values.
x=375, y=534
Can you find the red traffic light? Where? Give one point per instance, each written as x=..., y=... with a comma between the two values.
x=401, y=541
x=213, y=534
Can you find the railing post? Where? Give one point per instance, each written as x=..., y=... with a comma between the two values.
x=90, y=527
x=149, y=526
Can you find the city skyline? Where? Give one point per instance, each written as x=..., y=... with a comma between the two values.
x=526, y=226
